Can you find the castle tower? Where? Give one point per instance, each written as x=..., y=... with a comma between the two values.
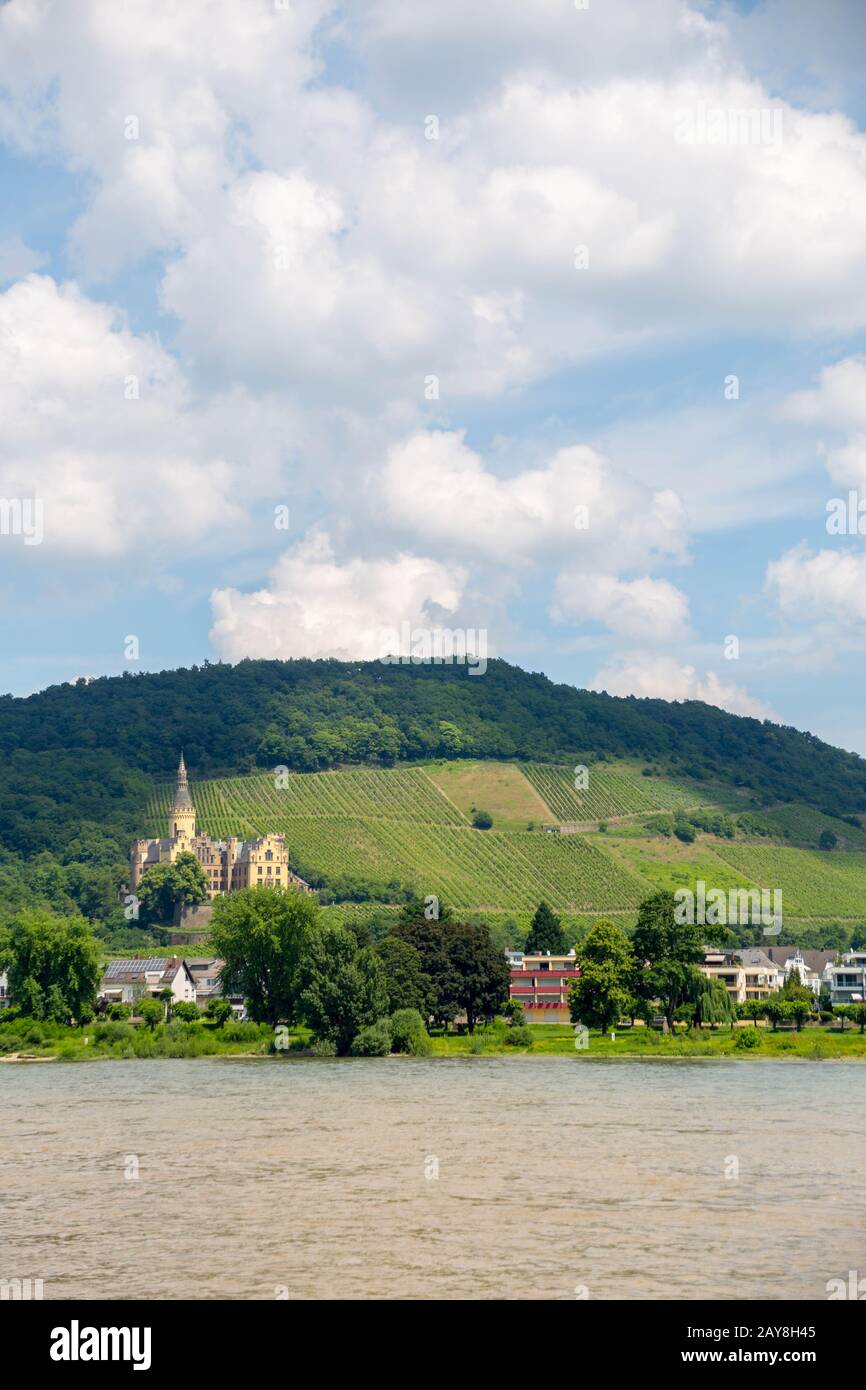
x=181, y=817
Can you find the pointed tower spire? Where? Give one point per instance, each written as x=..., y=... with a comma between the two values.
x=182, y=815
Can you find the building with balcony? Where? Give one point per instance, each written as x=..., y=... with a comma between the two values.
x=541, y=983
x=745, y=981
x=847, y=979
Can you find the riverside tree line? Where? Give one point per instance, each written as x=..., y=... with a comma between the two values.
x=367, y=996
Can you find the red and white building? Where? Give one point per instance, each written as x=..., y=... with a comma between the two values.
x=540, y=984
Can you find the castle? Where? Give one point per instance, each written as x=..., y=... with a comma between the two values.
x=228, y=864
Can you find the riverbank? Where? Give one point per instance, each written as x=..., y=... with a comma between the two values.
x=25, y=1042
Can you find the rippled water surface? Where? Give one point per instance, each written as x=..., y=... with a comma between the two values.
x=318, y=1177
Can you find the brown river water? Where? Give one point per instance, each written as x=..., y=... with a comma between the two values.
x=459, y=1178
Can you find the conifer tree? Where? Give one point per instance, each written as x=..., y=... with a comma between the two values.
x=545, y=934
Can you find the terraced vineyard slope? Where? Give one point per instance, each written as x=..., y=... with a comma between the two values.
x=412, y=826
x=398, y=824
x=608, y=794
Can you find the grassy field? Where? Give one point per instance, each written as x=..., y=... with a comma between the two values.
x=499, y=788
x=812, y=1044
x=24, y=1039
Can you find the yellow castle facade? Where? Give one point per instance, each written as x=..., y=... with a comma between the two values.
x=228, y=864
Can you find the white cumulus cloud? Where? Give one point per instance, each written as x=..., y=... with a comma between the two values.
x=659, y=677
x=316, y=606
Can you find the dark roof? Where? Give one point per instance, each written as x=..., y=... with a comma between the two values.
x=815, y=960
x=134, y=968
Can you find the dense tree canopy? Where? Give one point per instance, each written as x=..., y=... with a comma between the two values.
x=261, y=934
x=603, y=993
x=667, y=952
x=164, y=887
x=342, y=986
x=52, y=964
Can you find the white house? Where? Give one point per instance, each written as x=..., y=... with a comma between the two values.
x=848, y=979
x=136, y=977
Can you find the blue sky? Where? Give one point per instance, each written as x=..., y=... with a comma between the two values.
x=238, y=243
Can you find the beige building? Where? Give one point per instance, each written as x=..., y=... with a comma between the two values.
x=745, y=982
x=228, y=864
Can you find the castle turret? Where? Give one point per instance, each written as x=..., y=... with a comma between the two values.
x=181, y=817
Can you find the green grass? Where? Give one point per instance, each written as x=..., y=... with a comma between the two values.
x=53, y=1042
x=499, y=788
x=669, y=864
x=125, y=1041
x=812, y=1044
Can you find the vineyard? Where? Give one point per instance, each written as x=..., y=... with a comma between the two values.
x=397, y=825
x=250, y=805
x=813, y=884
x=608, y=793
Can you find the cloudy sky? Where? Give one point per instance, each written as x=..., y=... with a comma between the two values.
x=545, y=319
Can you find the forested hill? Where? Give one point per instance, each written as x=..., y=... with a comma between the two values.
x=85, y=744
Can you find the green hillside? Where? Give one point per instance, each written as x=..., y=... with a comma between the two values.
x=387, y=765
x=400, y=827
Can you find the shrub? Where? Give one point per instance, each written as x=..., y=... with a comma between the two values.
x=186, y=1011
x=119, y=1012
x=375, y=1039
x=10, y=1042
x=325, y=1048
x=513, y=1011
x=112, y=1032
x=748, y=1038
x=482, y=820
x=151, y=1012
x=519, y=1036
x=219, y=1010
x=406, y=1024
x=420, y=1045
x=243, y=1032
